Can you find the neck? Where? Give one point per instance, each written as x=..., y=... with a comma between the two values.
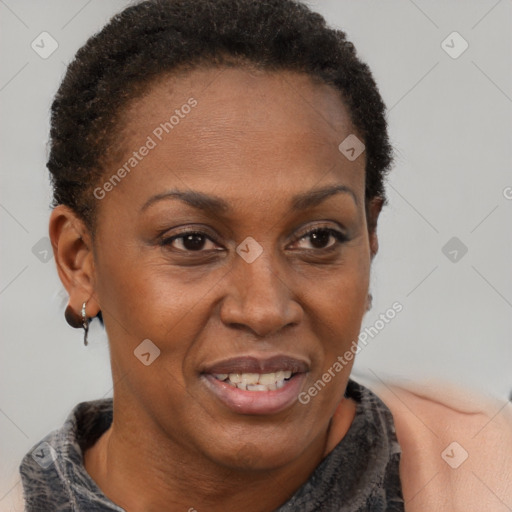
x=140, y=470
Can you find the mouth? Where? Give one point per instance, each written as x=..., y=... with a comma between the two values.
x=256, y=381
x=249, y=385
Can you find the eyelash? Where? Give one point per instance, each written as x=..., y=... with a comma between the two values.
x=169, y=240
x=338, y=236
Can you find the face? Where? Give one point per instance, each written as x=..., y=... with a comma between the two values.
x=237, y=243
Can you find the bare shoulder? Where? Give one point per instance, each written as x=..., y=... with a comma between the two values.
x=456, y=446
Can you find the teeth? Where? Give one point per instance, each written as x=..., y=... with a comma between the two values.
x=250, y=378
x=268, y=378
x=256, y=381
x=257, y=387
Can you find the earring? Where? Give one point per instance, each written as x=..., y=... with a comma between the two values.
x=369, y=302
x=76, y=321
x=85, y=323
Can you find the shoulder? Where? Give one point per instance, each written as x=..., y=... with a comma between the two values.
x=52, y=471
x=456, y=446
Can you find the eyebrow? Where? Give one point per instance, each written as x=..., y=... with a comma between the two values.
x=318, y=195
x=216, y=206
x=210, y=204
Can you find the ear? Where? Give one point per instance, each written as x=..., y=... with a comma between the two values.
x=72, y=249
x=373, y=209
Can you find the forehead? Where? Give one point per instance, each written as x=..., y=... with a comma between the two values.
x=248, y=85
x=240, y=131
x=231, y=101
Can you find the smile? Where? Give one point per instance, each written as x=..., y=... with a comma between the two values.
x=256, y=381
x=249, y=385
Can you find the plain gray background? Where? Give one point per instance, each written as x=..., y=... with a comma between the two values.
x=450, y=123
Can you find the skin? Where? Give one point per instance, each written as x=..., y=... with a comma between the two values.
x=256, y=140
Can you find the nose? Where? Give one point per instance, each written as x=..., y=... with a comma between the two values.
x=259, y=299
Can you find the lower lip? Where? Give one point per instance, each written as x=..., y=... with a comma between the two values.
x=256, y=402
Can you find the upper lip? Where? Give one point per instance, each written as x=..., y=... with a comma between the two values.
x=251, y=364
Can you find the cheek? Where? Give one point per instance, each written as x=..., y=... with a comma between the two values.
x=340, y=304
x=144, y=299
x=342, y=289
x=337, y=326
x=142, y=292
x=340, y=310
x=145, y=303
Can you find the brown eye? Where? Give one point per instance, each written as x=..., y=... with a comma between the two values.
x=322, y=238
x=191, y=242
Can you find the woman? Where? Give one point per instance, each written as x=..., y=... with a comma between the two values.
x=218, y=171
